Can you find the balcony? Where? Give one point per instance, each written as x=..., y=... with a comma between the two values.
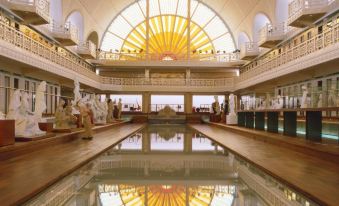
x=321, y=48
x=302, y=13
x=66, y=34
x=249, y=51
x=271, y=35
x=167, y=84
x=87, y=50
x=136, y=59
x=35, y=12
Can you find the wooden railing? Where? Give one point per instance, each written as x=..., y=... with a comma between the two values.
x=267, y=63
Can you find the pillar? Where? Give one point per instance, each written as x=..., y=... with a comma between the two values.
x=146, y=142
x=188, y=142
x=188, y=103
x=146, y=101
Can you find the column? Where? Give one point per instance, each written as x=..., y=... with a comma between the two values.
x=146, y=101
x=188, y=103
x=146, y=142
x=188, y=142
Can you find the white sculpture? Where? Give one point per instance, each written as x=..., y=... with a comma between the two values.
x=320, y=101
x=27, y=122
x=231, y=118
x=99, y=109
x=119, y=108
x=279, y=104
x=76, y=91
x=216, y=106
x=332, y=99
x=2, y=116
x=303, y=103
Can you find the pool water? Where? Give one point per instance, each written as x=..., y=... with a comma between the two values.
x=168, y=165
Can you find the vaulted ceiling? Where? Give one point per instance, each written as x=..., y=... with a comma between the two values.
x=238, y=14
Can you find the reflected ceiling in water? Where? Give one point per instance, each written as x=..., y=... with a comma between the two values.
x=169, y=165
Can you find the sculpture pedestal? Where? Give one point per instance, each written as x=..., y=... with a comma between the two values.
x=62, y=130
x=46, y=126
x=34, y=138
x=7, y=132
x=231, y=119
x=215, y=118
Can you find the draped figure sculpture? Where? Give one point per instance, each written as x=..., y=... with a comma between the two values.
x=231, y=118
x=216, y=106
x=27, y=122
x=110, y=110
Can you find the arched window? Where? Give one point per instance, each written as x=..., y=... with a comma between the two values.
x=172, y=31
x=260, y=20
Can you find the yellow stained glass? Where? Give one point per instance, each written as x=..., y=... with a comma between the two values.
x=168, y=39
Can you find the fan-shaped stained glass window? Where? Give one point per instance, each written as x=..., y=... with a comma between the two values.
x=175, y=31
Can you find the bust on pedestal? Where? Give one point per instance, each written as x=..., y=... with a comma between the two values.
x=231, y=118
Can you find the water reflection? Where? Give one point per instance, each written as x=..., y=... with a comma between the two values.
x=169, y=166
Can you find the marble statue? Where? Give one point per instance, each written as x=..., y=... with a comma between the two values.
x=63, y=116
x=99, y=109
x=119, y=108
x=279, y=104
x=40, y=105
x=216, y=106
x=85, y=112
x=110, y=110
x=320, y=101
x=26, y=122
x=303, y=103
x=332, y=99
x=76, y=91
x=231, y=118
x=2, y=116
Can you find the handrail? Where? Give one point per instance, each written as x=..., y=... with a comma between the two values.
x=141, y=56
x=88, y=47
x=222, y=82
x=269, y=62
x=19, y=39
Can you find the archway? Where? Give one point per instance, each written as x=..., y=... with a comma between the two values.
x=242, y=38
x=94, y=38
x=76, y=19
x=260, y=20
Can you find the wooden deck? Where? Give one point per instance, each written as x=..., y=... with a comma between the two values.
x=24, y=176
x=315, y=177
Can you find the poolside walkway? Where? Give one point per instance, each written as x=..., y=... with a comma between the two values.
x=315, y=177
x=24, y=176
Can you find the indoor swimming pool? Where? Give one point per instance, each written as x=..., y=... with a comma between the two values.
x=168, y=165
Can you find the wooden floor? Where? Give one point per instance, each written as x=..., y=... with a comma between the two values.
x=24, y=176
x=323, y=149
x=315, y=177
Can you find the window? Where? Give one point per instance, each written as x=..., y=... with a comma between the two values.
x=176, y=102
x=168, y=31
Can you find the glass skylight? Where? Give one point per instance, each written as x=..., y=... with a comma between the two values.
x=168, y=30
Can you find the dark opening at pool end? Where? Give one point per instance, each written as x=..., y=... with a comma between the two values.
x=178, y=165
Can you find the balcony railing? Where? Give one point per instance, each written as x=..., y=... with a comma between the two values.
x=272, y=34
x=87, y=50
x=298, y=8
x=249, y=50
x=26, y=43
x=137, y=56
x=267, y=63
x=24, y=7
x=67, y=34
x=169, y=82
